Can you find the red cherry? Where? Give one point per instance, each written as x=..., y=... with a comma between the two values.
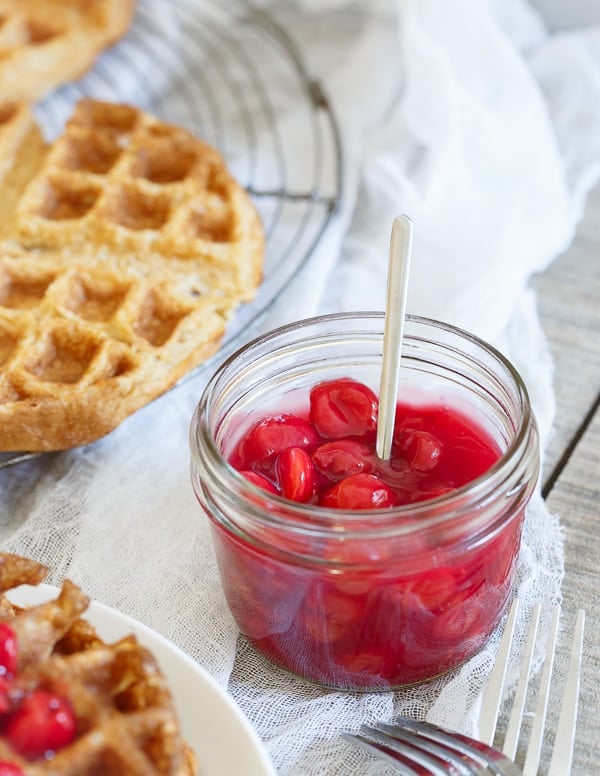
x=296, y=474
x=430, y=491
x=421, y=449
x=5, y=703
x=360, y=491
x=9, y=650
x=10, y=769
x=43, y=722
x=272, y=435
x=369, y=662
x=456, y=624
x=328, y=615
x=343, y=408
x=259, y=481
x=342, y=458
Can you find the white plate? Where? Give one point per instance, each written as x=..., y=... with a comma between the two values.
x=223, y=739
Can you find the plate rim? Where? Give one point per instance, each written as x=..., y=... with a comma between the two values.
x=31, y=595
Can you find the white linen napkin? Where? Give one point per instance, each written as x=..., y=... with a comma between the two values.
x=484, y=129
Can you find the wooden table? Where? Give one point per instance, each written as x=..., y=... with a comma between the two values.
x=569, y=305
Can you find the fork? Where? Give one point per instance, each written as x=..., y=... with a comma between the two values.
x=422, y=748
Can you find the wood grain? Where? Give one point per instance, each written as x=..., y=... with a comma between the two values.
x=569, y=304
x=569, y=307
x=576, y=498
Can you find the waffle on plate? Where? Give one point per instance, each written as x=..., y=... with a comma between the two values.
x=125, y=248
x=117, y=711
x=44, y=43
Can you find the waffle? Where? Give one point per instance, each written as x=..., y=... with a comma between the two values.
x=125, y=249
x=44, y=43
x=125, y=718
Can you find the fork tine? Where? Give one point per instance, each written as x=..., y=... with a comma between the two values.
x=536, y=737
x=492, y=696
x=396, y=753
x=432, y=741
x=365, y=743
x=562, y=752
x=470, y=754
x=511, y=739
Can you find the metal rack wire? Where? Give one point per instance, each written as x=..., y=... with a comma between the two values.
x=232, y=75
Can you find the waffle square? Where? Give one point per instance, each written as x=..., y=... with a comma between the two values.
x=126, y=723
x=126, y=248
x=44, y=43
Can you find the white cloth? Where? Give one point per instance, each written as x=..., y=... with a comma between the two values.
x=471, y=119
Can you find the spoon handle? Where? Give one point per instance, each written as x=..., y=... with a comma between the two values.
x=395, y=312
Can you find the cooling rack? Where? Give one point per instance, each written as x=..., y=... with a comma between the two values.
x=231, y=74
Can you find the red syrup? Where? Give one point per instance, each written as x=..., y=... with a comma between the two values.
x=347, y=608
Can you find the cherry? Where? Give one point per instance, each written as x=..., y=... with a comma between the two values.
x=341, y=552
x=9, y=651
x=296, y=474
x=342, y=458
x=10, y=769
x=370, y=614
x=430, y=491
x=343, y=408
x=370, y=663
x=272, y=435
x=456, y=623
x=341, y=616
x=359, y=491
x=43, y=722
x=5, y=703
x=420, y=448
x=259, y=480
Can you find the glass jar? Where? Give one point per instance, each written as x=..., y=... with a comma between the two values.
x=378, y=599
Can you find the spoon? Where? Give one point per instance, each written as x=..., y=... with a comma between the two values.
x=395, y=313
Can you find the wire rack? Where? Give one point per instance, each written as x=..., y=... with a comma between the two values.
x=231, y=74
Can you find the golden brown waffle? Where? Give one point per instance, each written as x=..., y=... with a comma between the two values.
x=123, y=257
x=126, y=721
x=44, y=43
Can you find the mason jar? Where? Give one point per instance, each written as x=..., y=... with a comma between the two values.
x=373, y=599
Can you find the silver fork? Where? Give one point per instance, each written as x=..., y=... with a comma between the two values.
x=421, y=748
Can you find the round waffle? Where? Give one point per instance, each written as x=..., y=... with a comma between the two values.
x=126, y=723
x=44, y=43
x=127, y=247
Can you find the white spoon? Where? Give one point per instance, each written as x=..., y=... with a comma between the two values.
x=395, y=312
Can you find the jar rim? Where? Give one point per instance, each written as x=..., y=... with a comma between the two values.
x=408, y=518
